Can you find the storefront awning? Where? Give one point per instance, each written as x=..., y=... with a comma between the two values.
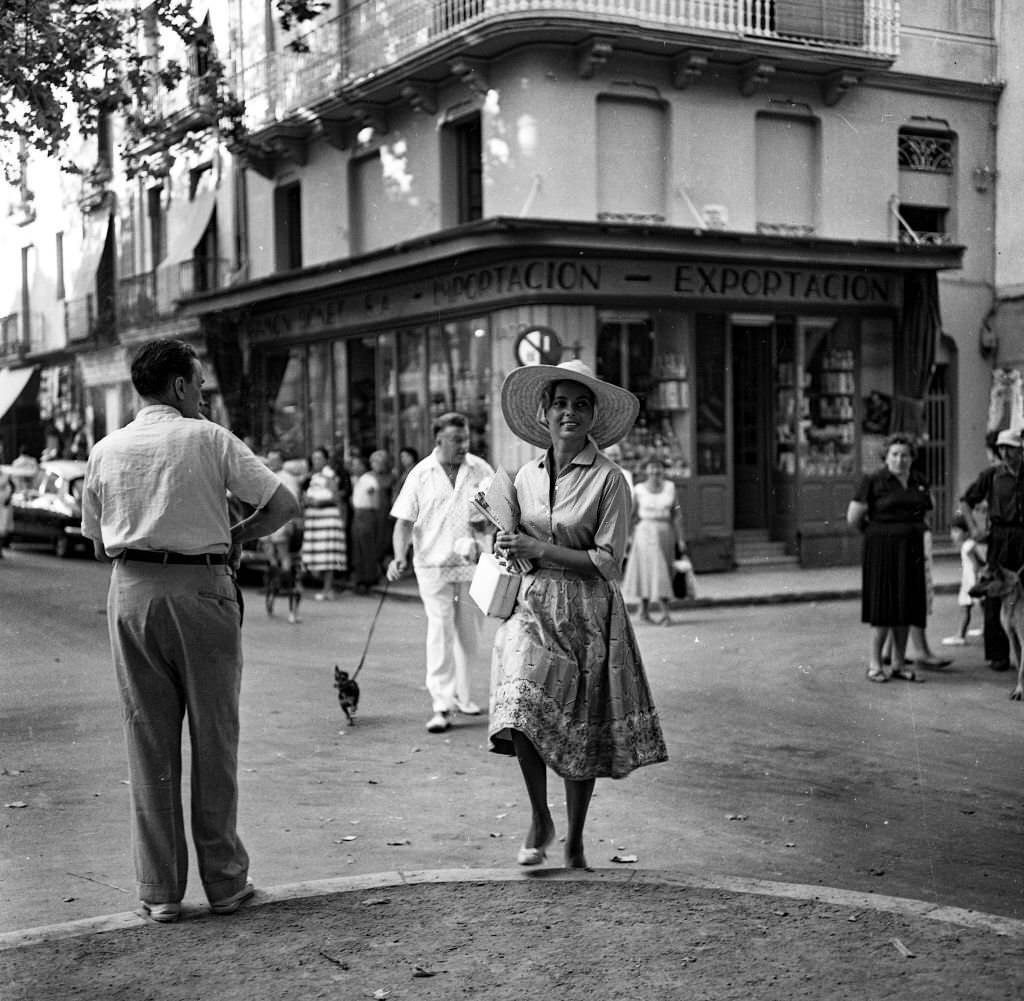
x=83, y=282
x=189, y=231
x=12, y=382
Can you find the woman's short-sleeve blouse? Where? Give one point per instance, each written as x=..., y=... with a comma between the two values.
x=888, y=500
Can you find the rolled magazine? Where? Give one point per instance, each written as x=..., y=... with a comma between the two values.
x=500, y=507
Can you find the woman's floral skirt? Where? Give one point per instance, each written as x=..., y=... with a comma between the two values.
x=566, y=672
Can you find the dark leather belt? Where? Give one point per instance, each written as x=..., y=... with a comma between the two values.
x=154, y=556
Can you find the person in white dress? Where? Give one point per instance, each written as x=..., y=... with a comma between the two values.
x=658, y=532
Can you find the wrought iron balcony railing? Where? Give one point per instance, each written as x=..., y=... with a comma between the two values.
x=136, y=300
x=188, y=278
x=155, y=295
x=22, y=335
x=88, y=318
x=371, y=37
x=11, y=344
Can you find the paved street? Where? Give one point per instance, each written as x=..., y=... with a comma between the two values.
x=785, y=764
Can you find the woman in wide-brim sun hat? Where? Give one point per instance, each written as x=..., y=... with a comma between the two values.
x=568, y=688
x=615, y=408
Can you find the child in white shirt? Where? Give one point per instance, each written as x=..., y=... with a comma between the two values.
x=972, y=559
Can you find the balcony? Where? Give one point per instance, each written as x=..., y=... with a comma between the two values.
x=136, y=300
x=88, y=319
x=153, y=296
x=18, y=339
x=193, y=277
x=372, y=53
x=11, y=344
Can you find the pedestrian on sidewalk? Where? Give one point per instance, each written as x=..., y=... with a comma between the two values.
x=324, y=552
x=972, y=559
x=890, y=507
x=369, y=508
x=1001, y=488
x=155, y=506
x=568, y=687
x=919, y=650
x=283, y=547
x=657, y=535
x=433, y=514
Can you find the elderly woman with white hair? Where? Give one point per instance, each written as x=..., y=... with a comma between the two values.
x=568, y=688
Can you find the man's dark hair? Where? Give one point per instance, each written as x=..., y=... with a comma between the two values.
x=160, y=361
x=449, y=420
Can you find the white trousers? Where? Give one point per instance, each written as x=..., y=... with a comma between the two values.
x=453, y=636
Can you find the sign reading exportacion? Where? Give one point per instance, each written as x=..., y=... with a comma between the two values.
x=607, y=281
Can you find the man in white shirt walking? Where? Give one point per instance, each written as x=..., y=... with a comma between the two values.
x=433, y=513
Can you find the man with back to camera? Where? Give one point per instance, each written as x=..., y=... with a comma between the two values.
x=155, y=505
x=434, y=514
x=1002, y=486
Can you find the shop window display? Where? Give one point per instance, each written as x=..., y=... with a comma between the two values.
x=649, y=356
x=286, y=416
x=425, y=372
x=460, y=375
x=828, y=423
x=792, y=406
x=711, y=395
x=412, y=364
x=815, y=399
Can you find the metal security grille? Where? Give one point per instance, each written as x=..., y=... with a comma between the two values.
x=925, y=152
x=934, y=452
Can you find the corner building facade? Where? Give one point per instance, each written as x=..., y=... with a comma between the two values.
x=762, y=218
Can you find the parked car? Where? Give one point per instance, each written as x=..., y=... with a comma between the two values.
x=49, y=508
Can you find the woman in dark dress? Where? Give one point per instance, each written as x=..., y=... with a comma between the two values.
x=890, y=507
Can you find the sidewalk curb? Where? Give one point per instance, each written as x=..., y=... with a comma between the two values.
x=738, y=601
x=906, y=907
x=789, y=598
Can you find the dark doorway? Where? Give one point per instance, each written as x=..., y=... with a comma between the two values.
x=751, y=425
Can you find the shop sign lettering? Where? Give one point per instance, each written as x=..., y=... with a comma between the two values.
x=314, y=318
x=732, y=282
x=607, y=280
x=512, y=279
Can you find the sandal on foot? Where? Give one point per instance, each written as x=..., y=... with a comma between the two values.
x=878, y=676
x=905, y=674
x=535, y=856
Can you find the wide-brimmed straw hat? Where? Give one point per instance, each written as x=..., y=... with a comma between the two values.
x=615, y=408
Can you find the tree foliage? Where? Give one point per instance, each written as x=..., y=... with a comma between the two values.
x=63, y=63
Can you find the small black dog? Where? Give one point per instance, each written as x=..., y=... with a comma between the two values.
x=348, y=693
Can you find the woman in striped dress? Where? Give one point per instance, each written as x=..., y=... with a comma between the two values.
x=323, y=539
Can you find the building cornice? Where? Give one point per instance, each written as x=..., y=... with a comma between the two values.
x=502, y=239
x=919, y=83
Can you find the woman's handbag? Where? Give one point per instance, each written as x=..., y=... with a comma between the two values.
x=684, y=580
x=494, y=588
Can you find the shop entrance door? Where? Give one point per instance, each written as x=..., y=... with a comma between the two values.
x=751, y=425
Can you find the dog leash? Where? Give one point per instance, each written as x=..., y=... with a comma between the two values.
x=373, y=625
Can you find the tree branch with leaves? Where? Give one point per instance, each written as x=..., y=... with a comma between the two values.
x=65, y=63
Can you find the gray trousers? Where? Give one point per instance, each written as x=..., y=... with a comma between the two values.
x=175, y=634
